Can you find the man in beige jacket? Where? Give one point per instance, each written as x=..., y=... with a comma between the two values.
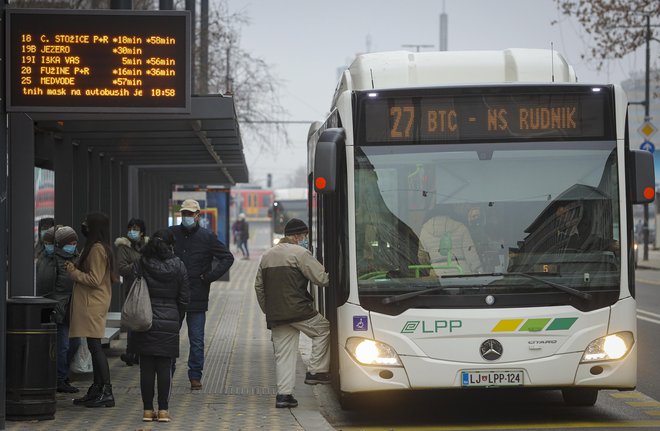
x=281, y=286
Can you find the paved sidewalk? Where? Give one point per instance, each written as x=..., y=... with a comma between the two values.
x=239, y=377
x=652, y=263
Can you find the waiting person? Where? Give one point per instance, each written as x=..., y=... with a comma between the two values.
x=129, y=250
x=197, y=248
x=93, y=276
x=241, y=232
x=46, y=267
x=44, y=224
x=167, y=279
x=281, y=287
x=66, y=242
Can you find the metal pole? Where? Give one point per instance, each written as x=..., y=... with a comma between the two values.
x=647, y=104
x=4, y=229
x=204, y=48
x=190, y=6
x=166, y=4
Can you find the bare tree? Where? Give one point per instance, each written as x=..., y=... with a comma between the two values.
x=617, y=27
x=249, y=79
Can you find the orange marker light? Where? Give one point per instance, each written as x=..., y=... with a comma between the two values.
x=320, y=183
x=649, y=192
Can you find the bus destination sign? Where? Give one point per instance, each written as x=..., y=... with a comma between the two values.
x=467, y=118
x=98, y=61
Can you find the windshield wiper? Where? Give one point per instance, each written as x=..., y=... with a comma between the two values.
x=404, y=296
x=569, y=290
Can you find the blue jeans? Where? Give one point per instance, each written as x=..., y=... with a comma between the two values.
x=196, y=321
x=66, y=348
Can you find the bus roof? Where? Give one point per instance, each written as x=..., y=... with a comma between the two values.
x=402, y=69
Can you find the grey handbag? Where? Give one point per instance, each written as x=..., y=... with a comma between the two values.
x=136, y=313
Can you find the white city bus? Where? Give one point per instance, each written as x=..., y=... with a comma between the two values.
x=473, y=210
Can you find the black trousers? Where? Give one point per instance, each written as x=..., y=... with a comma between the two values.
x=152, y=367
x=99, y=362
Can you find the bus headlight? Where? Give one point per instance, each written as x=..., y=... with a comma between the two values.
x=371, y=352
x=608, y=348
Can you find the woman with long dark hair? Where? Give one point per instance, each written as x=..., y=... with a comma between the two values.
x=167, y=279
x=92, y=291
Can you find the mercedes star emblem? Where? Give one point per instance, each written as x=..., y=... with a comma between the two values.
x=491, y=350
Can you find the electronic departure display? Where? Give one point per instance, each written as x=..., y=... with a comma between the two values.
x=433, y=118
x=98, y=61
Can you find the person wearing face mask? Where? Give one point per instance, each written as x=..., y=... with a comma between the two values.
x=46, y=267
x=92, y=277
x=66, y=241
x=281, y=283
x=129, y=250
x=198, y=248
x=44, y=224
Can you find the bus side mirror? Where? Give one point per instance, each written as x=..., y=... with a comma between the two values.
x=326, y=159
x=643, y=175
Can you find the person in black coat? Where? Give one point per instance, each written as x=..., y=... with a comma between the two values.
x=206, y=259
x=167, y=280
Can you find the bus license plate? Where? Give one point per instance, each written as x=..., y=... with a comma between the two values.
x=492, y=378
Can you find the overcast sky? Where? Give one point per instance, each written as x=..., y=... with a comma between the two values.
x=307, y=41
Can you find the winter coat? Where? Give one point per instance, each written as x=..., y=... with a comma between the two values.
x=197, y=248
x=241, y=230
x=92, y=292
x=281, y=283
x=63, y=284
x=169, y=291
x=128, y=252
x=46, y=273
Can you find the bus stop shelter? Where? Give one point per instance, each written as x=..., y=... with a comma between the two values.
x=124, y=165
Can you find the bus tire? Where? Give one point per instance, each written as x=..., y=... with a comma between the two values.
x=582, y=397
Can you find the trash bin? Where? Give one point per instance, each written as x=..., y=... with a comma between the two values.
x=31, y=359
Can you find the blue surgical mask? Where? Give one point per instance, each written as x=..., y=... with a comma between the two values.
x=188, y=221
x=304, y=243
x=69, y=248
x=134, y=235
x=50, y=248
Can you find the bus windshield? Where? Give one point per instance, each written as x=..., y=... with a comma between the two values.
x=463, y=219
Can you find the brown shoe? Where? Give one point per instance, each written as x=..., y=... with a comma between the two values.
x=149, y=416
x=163, y=416
x=195, y=385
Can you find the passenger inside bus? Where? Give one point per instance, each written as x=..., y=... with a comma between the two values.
x=446, y=244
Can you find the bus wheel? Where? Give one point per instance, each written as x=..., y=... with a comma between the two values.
x=584, y=397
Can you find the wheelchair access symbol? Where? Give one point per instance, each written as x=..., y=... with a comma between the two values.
x=360, y=323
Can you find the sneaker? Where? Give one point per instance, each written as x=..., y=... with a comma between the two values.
x=284, y=401
x=195, y=385
x=317, y=378
x=149, y=416
x=163, y=416
x=65, y=387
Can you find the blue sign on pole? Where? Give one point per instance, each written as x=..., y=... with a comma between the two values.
x=648, y=146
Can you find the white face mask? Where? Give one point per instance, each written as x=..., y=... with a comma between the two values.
x=188, y=221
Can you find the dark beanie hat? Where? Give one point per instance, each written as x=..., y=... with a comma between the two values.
x=295, y=226
x=49, y=235
x=65, y=235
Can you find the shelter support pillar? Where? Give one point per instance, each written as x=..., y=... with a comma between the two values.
x=117, y=222
x=64, y=171
x=81, y=186
x=21, y=211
